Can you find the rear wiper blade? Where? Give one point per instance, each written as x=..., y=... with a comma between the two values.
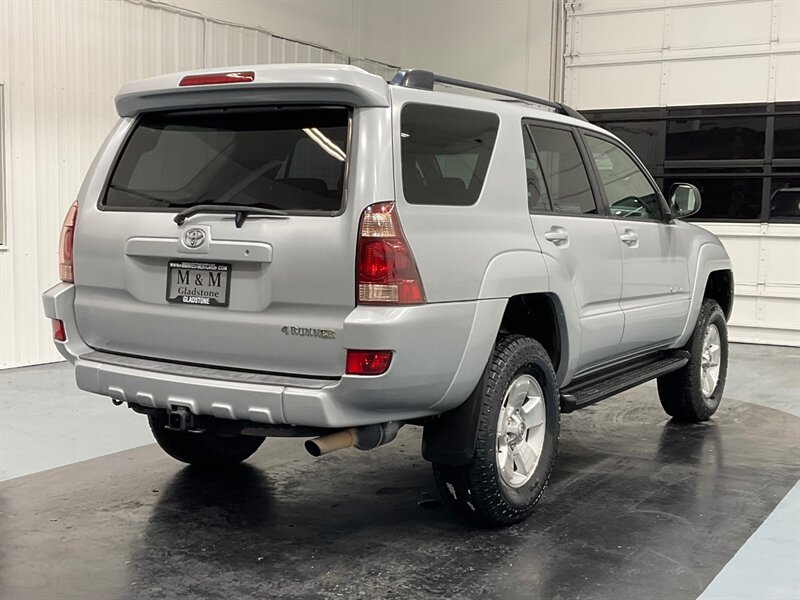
x=240, y=210
x=144, y=195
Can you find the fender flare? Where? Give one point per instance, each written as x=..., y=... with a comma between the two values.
x=710, y=258
x=507, y=274
x=449, y=437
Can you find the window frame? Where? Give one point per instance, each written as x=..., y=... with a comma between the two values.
x=666, y=212
x=599, y=202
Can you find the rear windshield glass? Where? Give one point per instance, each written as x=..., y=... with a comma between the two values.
x=445, y=153
x=288, y=159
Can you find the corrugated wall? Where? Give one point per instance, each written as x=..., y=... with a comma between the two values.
x=645, y=53
x=61, y=63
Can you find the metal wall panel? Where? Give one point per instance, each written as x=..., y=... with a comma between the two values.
x=673, y=52
x=61, y=63
x=650, y=53
x=766, y=265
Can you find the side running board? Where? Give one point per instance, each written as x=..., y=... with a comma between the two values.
x=595, y=388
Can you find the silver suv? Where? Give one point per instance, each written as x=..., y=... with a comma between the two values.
x=308, y=251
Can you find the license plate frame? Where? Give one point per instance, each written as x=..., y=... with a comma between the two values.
x=193, y=269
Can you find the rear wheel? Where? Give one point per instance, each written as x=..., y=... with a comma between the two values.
x=206, y=449
x=516, y=438
x=693, y=393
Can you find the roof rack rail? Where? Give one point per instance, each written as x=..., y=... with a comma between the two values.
x=425, y=80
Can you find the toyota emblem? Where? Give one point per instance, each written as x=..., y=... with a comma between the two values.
x=194, y=238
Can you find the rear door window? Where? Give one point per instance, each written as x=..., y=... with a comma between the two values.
x=445, y=153
x=564, y=171
x=291, y=159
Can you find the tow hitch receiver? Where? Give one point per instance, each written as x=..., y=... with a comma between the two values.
x=180, y=418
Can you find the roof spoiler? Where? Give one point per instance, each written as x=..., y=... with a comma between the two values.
x=425, y=80
x=291, y=83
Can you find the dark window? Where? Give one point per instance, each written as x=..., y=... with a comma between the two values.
x=645, y=138
x=787, y=136
x=538, y=198
x=784, y=199
x=445, y=153
x=724, y=198
x=628, y=191
x=742, y=155
x=717, y=138
x=289, y=159
x=564, y=171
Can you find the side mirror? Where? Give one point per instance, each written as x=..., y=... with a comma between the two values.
x=684, y=200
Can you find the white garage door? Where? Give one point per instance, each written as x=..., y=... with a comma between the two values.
x=708, y=92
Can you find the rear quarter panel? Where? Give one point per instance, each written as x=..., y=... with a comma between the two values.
x=454, y=245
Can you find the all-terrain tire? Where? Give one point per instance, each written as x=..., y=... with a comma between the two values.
x=681, y=392
x=206, y=449
x=477, y=491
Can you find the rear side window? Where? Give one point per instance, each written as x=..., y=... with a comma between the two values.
x=291, y=159
x=564, y=171
x=445, y=153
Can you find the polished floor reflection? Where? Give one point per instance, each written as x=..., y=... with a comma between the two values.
x=638, y=507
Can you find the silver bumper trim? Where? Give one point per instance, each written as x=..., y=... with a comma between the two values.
x=181, y=369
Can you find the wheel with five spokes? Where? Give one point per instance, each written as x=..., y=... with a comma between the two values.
x=516, y=439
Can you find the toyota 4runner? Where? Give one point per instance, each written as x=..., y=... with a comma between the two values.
x=308, y=251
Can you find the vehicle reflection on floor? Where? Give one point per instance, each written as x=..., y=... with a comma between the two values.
x=637, y=507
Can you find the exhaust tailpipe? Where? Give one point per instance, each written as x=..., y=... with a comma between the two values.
x=331, y=442
x=365, y=437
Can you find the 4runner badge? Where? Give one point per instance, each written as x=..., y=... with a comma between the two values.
x=325, y=334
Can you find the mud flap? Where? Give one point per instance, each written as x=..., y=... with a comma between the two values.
x=449, y=438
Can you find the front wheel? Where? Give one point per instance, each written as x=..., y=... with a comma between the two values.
x=206, y=449
x=693, y=393
x=516, y=439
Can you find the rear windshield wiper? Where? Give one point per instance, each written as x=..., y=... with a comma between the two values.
x=144, y=195
x=240, y=210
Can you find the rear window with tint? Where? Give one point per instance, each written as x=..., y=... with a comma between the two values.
x=291, y=159
x=445, y=153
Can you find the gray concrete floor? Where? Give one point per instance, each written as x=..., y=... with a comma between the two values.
x=45, y=422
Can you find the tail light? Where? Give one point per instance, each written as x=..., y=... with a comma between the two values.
x=386, y=272
x=368, y=362
x=65, y=244
x=59, y=333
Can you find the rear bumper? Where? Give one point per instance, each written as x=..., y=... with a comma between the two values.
x=428, y=374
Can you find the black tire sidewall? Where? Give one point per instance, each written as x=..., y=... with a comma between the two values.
x=528, y=358
x=204, y=449
x=711, y=315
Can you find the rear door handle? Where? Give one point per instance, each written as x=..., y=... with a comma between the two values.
x=557, y=235
x=629, y=238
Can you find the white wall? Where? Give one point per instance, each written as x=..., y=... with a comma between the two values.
x=325, y=22
x=631, y=53
x=61, y=63
x=648, y=53
x=508, y=43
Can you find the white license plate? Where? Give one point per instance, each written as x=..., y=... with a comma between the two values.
x=206, y=284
